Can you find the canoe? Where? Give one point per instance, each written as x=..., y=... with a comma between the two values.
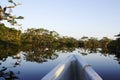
x=73, y=68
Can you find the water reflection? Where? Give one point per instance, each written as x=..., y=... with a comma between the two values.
x=17, y=55
x=8, y=75
x=29, y=53
x=5, y=52
x=105, y=52
x=8, y=50
x=40, y=55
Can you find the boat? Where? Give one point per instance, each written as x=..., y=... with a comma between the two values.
x=73, y=68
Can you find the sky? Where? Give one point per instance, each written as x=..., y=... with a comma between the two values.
x=75, y=18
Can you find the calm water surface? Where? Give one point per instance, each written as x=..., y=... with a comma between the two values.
x=23, y=68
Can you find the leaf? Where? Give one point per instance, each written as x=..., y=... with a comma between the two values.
x=11, y=1
x=20, y=17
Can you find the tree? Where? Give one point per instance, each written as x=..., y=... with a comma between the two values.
x=5, y=13
x=9, y=35
x=118, y=35
x=117, y=43
x=90, y=44
x=84, y=38
x=104, y=44
x=114, y=45
x=93, y=44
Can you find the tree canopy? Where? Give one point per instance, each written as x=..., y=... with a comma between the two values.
x=6, y=13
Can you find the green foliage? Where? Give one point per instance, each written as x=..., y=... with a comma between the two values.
x=9, y=34
x=43, y=38
x=5, y=13
x=43, y=43
x=104, y=44
x=89, y=43
x=80, y=43
x=40, y=38
x=68, y=42
x=20, y=17
x=114, y=45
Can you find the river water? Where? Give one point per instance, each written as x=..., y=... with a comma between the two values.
x=33, y=67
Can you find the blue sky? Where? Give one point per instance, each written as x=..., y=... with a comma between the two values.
x=76, y=18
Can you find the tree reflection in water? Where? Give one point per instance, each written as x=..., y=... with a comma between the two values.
x=35, y=54
x=8, y=75
x=5, y=51
x=105, y=52
x=39, y=55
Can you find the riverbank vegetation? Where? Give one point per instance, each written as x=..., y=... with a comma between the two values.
x=45, y=39
x=39, y=45
x=42, y=39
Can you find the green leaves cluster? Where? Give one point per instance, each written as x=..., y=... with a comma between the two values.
x=93, y=44
x=9, y=34
x=43, y=38
x=114, y=45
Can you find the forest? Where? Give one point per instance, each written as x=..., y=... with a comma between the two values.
x=20, y=47
x=33, y=38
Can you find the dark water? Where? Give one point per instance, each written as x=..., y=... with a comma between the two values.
x=22, y=67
